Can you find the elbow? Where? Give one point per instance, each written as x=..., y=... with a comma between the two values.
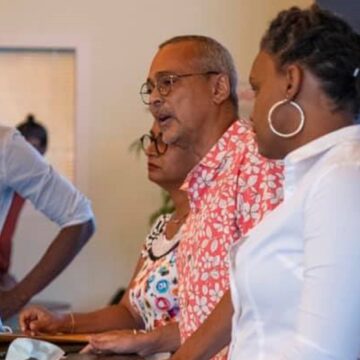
x=88, y=229
x=78, y=235
x=84, y=232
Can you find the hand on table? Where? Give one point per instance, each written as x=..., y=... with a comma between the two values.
x=36, y=319
x=118, y=341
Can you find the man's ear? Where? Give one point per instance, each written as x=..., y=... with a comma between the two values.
x=221, y=88
x=294, y=78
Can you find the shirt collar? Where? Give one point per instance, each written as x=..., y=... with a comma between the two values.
x=216, y=154
x=322, y=144
x=215, y=157
x=298, y=161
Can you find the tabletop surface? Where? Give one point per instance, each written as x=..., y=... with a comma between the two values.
x=103, y=357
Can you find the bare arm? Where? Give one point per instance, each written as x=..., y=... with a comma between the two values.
x=114, y=317
x=120, y=316
x=162, y=339
x=63, y=249
x=212, y=336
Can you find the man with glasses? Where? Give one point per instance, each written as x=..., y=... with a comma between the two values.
x=191, y=93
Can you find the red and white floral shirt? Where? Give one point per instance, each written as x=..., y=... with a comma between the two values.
x=230, y=190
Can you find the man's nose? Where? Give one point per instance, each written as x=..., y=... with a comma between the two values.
x=156, y=98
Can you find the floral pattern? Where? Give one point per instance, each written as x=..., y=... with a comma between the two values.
x=154, y=291
x=230, y=190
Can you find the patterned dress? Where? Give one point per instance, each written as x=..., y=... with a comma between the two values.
x=154, y=293
x=229, y=191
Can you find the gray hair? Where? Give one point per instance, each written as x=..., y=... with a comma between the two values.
x=212, y=56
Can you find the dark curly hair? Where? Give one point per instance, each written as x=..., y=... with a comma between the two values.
x=324, y=44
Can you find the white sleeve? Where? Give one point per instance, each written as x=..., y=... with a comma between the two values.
x=27, y=173
x=328, y=324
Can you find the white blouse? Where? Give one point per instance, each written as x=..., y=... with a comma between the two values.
x=295, y=281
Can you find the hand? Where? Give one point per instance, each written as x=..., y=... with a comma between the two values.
x=119, y=341
x=36, y=319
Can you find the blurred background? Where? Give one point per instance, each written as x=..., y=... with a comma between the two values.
x=78, y=66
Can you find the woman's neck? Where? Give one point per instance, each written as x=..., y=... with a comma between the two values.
x=181, y=202
x=179, y=216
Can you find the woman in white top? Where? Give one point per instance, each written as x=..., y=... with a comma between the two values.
x=295, y=280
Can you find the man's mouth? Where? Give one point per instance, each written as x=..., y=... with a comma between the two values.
x=164, y=118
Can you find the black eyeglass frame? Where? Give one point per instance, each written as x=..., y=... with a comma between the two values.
x=166, y=90
x=153, y=140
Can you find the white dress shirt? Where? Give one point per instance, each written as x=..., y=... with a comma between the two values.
x=23, y=170
x=295, y=281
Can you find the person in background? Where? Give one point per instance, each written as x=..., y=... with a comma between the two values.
x=36, y=135
x=150, y=302
x=294, y=282
x=25, y=172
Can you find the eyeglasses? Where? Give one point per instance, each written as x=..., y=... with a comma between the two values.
x=160, y=147
x=164, y=84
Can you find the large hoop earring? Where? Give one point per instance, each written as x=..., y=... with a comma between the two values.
x=297, y=107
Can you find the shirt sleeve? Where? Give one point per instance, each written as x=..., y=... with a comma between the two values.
x=27, y=173
x=328, y=325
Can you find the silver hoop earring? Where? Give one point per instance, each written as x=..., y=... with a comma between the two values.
x=297, y=107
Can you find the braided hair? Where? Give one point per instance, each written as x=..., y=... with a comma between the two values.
x=325, y=45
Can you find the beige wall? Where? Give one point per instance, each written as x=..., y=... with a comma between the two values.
x=115, y=41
